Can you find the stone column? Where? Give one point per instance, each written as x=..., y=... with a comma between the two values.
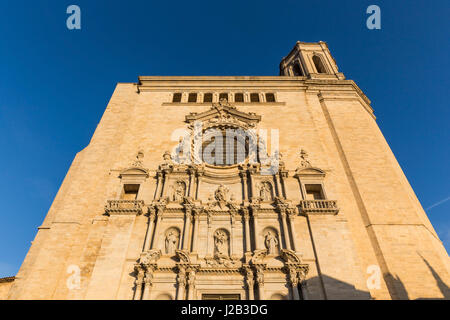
x=191, y=282
x=163, y=186
x=181, y=282
x=158, y=186
x=245, y=186
x=303, y=284
x=260, y=280
x=291, y=217
x=148, y=284
x=191, y=172
x=285, y=229
x=199, y=180
x=195, y=232
x=247, y=230
x=159, y=213
x=283, y=176
x=250, y=283
x=139, y=281
x=293, y=279
x=233, y=220
x=252, y=184
x=256, y=228
x=151, y=220
x=304, y=287
x=279, y=187
x=208, y=233
x=187, y=227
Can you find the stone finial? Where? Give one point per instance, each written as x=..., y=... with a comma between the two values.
x=139, y=156
x=304, y=162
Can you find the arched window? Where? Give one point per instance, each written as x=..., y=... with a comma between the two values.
x=319, y=65
x=297, y=70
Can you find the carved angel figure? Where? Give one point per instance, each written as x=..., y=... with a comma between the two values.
x=171, y=242
x=271, y=243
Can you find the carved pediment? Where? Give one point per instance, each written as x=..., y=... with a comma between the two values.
x=289, y=256
x=309, y=171
x=224, y=114
x=134, y=171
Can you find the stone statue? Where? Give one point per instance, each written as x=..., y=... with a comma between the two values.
x=179, y=191
x=304, y=162
x=171, y=242
x=265, y=191
x=271, y=243
x=221, y=243
x=221, y=193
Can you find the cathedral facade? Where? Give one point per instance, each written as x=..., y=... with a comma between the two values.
x=216, y=188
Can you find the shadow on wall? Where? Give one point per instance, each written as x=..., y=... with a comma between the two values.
x=399, y=292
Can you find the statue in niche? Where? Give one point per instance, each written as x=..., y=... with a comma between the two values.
x=271, y=242
x=171, y=242
x=221, y=244
x=265, y=191
x=179, y=191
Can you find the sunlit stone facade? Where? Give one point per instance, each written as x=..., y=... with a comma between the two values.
x=320, y=210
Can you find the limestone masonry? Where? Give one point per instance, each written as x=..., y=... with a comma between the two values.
x=145, y=213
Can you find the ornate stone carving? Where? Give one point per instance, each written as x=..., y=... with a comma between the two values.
x=181, y=277
x=167, y=162
x=289, y=256
x=124, y=207
x=304, y=162
x=221, y=244
x=260, y=275
x=183, y=256
x=138, y=162
x=271, y=242
x=178, y=191
x=172, y=240
x=293, y=278
x=265, y=191
x=191, y=278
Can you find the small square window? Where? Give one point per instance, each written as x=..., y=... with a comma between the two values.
x=208, y=97
x=223, y=96
x=239, y=97
x=314, y=192
x=176, y=97
x=130, y=192
x=192, y=97
x=254, y=97
x=270, y=97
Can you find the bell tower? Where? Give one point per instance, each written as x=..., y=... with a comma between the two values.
x=311, y=60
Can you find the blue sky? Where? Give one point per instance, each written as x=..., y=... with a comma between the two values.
x=55, y=83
